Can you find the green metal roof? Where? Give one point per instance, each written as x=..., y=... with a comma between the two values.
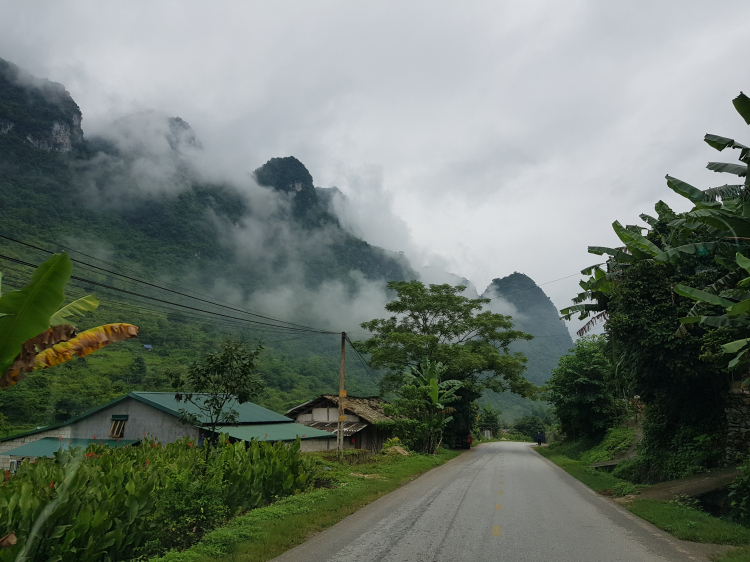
x=246, y=413
x=274, y=432
x=46, y=446
x=165, y=401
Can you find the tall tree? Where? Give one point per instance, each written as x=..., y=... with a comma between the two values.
x=439, y=323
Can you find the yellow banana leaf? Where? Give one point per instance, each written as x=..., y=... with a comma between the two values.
x=25, y=361
x=85, y=343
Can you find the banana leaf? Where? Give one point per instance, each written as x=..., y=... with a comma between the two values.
x=24, y=361
x=735, y=169
x=735, y=346
x=28, y=310
x=635, y=241
x=673, y=255
x=698, y=295
x=648, y=219
x=720, y=143
x=742, y=105
x=84, y=344
x=615, y=253
x=689, y=192
x=76, y=309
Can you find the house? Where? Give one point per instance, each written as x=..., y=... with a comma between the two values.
x=322, y=413
x=133, y=417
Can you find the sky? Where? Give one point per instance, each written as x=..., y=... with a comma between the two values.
x=482, y=138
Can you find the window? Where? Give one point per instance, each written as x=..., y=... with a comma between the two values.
x=117, y=430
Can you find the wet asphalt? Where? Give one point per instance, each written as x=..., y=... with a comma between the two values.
x=499, y=501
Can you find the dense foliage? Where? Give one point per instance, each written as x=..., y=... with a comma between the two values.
x=117, y=504
x=581, y=390
x=662, y=296
x=438, y=323
x=419, y=413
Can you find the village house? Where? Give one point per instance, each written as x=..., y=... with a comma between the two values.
x=360, y=432
x=135, y=416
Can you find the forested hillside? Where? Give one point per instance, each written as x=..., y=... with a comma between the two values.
x=536, y=315
x=151, y=231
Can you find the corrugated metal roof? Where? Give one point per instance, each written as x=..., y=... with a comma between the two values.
x=369, y=408
x=350, y=428
x=246, y=413
x=165, y=401
x=274, y=432
x=46, y=446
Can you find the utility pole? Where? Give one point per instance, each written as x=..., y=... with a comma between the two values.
x=342, y=395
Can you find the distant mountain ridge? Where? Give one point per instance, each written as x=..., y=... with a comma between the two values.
x=134, y=195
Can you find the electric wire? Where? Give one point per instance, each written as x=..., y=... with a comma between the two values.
x=157, y=286
x=125, y=291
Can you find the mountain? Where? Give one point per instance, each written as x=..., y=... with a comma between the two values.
x=534, y=313
x=138, y=203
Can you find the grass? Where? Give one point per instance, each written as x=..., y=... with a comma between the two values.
x=681, y=521
x=264, y=533
x=689, y=524
x=741, y=554
x=594, y=479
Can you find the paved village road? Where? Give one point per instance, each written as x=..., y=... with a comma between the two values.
x=500, y=501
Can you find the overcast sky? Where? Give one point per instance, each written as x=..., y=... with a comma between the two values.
x=489, y=137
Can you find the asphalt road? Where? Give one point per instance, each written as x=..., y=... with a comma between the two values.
x=500, y=501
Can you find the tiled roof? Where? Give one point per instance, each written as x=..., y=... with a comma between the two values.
x=47, y=446
x=350, y=428
x=274, y=432
x=369, y=408
x=246, y=413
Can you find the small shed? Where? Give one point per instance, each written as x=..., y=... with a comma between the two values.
x=359, y=429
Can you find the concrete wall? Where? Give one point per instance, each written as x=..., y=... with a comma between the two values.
x=307, y=445
x=63, y=432
x=738, y=423
x=142, y=419
x=325, y=415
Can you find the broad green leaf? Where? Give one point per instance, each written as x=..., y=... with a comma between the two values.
x=736, y=361
x=743, y=262
x=742, y=307
x=735, y=169
x=697, y=249
x=735, y=346
x=742, y=105
x=703, y=296
x=29, y=309
x=691, y=319
x=633, y=240
x=648, y=219
x=75, y=309
x=692, y=193
x=617, y=254
x=724, y=322
x=720, y=143
x=663, y=211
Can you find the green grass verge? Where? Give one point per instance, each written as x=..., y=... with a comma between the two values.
x=683, y=522
x=689, y=524
x=264, y=533
x=594, y=479
x=741, y=554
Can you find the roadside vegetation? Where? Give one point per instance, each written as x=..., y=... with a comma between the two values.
x=343, y=487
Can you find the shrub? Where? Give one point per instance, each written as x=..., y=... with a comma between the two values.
x=739, y=494
x=116, y=504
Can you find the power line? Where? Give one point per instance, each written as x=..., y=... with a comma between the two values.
x=534, y=287
x=125, y=291
x=159, y=287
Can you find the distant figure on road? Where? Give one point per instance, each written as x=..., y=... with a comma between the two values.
x=539, y=439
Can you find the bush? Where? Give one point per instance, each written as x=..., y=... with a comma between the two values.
x=616, y=440
x=624, y=489
x=117, y=504
x=739, y=494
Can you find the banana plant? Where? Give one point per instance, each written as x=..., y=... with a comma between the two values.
x=35, y=332
x=736, y=303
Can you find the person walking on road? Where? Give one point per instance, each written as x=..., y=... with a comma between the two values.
x=539, y=439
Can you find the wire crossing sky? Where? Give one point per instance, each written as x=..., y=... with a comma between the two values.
x=481, y=138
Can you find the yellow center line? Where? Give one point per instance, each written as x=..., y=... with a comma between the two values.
x=500, y=493
x=496, y=531
x=498, y=506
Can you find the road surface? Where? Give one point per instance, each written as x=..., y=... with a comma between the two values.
x=500, y=501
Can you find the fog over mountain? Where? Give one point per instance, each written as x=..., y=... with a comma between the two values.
x=145, y=193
